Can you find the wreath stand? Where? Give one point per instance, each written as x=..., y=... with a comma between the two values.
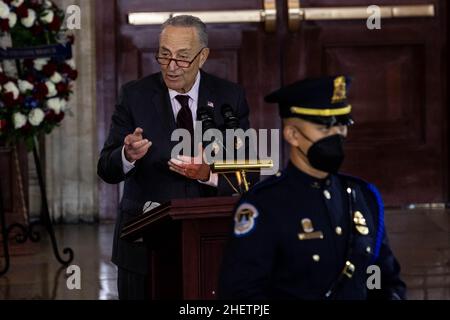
x=56, y=45
x=26, y=232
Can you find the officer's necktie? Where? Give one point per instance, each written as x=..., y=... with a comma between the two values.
x=184, y=117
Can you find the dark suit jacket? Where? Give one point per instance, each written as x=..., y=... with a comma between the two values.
x=146, y=104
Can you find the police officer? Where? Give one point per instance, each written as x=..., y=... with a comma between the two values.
x=309, y=232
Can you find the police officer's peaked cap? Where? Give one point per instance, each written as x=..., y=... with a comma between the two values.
x=320, y=100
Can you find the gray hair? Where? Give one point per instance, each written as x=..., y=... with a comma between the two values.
x=189, y=21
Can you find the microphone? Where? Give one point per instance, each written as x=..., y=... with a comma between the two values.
x=231, y=121
x=206, y=116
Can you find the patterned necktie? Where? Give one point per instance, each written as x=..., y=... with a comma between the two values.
x=184, y=117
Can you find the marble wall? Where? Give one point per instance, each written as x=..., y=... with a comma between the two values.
x=71, y=150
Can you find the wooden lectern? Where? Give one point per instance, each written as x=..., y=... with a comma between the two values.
x=185, y=240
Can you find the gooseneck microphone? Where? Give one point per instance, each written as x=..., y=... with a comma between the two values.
x=232, y=122
x=206, y=116
x=229, y=117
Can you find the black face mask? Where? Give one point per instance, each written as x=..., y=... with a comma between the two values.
x=327, y=154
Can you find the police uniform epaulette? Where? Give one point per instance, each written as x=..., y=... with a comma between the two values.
x=268, y=182
x=373, y=191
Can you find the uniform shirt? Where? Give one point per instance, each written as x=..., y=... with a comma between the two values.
x=291, y=238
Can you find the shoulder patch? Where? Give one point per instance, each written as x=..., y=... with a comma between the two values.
x=245, y=219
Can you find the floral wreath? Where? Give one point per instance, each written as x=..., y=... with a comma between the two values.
x=34, y=96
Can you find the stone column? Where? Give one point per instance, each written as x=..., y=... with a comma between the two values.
x=71, y=150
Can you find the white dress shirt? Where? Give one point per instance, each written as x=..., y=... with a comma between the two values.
x=176, y=107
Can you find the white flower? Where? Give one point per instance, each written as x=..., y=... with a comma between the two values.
x=40, y=63
x=47, y=16
x=11, y=87
x=71, y=63
x=48, y=4
x=56, y=77
x=4, y=10
x=51, y=89
x=63, y=104
x=36, y=116
x=16, y=3
x=29, y=21
x=54, y=104
x=25, y=86
x=12, y=19
x=19, y=120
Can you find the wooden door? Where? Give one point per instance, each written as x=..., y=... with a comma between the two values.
x=399, y=141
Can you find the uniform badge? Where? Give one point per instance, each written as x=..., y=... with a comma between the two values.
x=340, y=90
x=307, y=225
x=244, y=219
x=360, y=223
x=308, y=231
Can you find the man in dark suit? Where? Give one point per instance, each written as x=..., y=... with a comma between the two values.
x=138, y=148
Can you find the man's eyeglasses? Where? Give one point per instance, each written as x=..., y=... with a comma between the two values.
x=180, y=63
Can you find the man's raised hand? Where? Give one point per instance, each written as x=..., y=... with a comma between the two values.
x=136, y=147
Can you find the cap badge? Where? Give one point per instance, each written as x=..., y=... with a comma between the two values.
x=340, y=90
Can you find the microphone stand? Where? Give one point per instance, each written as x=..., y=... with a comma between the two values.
x=240, y=169
x=241, y=177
